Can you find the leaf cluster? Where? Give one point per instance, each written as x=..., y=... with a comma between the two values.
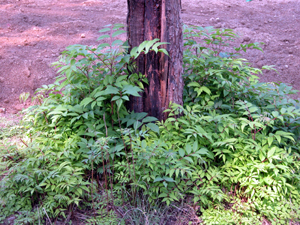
x=231, y=150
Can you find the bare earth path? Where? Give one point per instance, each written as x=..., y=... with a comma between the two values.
x=34, y=32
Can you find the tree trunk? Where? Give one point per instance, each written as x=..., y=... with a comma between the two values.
x=147, y=20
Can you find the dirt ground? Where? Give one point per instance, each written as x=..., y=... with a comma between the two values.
x=34, y=32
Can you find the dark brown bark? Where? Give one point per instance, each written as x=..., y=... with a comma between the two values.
x=147, y=20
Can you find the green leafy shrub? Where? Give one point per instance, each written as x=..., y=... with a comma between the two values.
x=73, y=131
x=255, y=127
x=231, y=150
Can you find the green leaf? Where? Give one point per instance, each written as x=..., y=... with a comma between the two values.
x=281, y=119
x=283, y=110
x=93, y=104
x=149, y=44
x=119, y=103
x=188, y=149
x=165, y=184
x=253, y=109
x=133, y=52
x=149, y=119
x=86, y=101
x=270, y=140
x=116, y=97
x=171, y=172
x=85, y=115
x=261, y=156
x=157, y=179
x=136, y=125
x=118, y=26
x=205, y=89
x=117, y=42
x=162, y=195
x=181, y=152
x=278, y=138
x=169, y=179
x=104, y=30
x=153, y=127
x=118, y=32
x=140, y=116
x=142, y=46
x=103, y=37
x=163, y=51
x=195, y=146
x=125, y=97
x=189, y=159
x=225, y=92
x=202, y=151
x=156, y=45
x=193, y=84
x=121, y=78
x=275, y=114
x=111, y=90
x=271, y=152
x=99, y=93
x=131, y=90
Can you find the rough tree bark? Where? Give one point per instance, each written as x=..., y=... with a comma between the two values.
x=147, y=20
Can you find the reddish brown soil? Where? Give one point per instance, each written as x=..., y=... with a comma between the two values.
x=34, y=32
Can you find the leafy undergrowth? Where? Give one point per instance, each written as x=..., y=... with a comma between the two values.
x=229, y=155
x=11, y=133
x=10, y=126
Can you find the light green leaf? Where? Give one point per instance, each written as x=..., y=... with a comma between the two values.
x=193, y=84
x=85, y=115
x=278, y=138
x=153, y=127
x=111, y=90
x=275, y=114
x=261, y=156
x=118, y=32
x=156, y=45
x=116, y=97
x=119, y=103
x=93, y=104
x=121, y=78
x=133, y=52
x=157, y=179
x=195, y=146
x=117, y=42
x=253, y=109
x=189, y=159
x=86, y=101
x=149, y=44
x=125, y=97
x=181, y=152
x=142, y=46
x=149, y=119
x=103, y=37
x=104, y=30
x=270, y=140
x=163, y=51
x=283, y=111
x=205, y=89
x=169, y=179
x=162, y=195
x=140, y=116
x=131, y=90
x=202, y=151
x=188, y=149
x=271, y=152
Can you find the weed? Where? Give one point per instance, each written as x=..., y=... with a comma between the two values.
x=230, y=153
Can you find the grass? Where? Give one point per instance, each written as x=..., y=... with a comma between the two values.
x=10, y=127
x=11, y=133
